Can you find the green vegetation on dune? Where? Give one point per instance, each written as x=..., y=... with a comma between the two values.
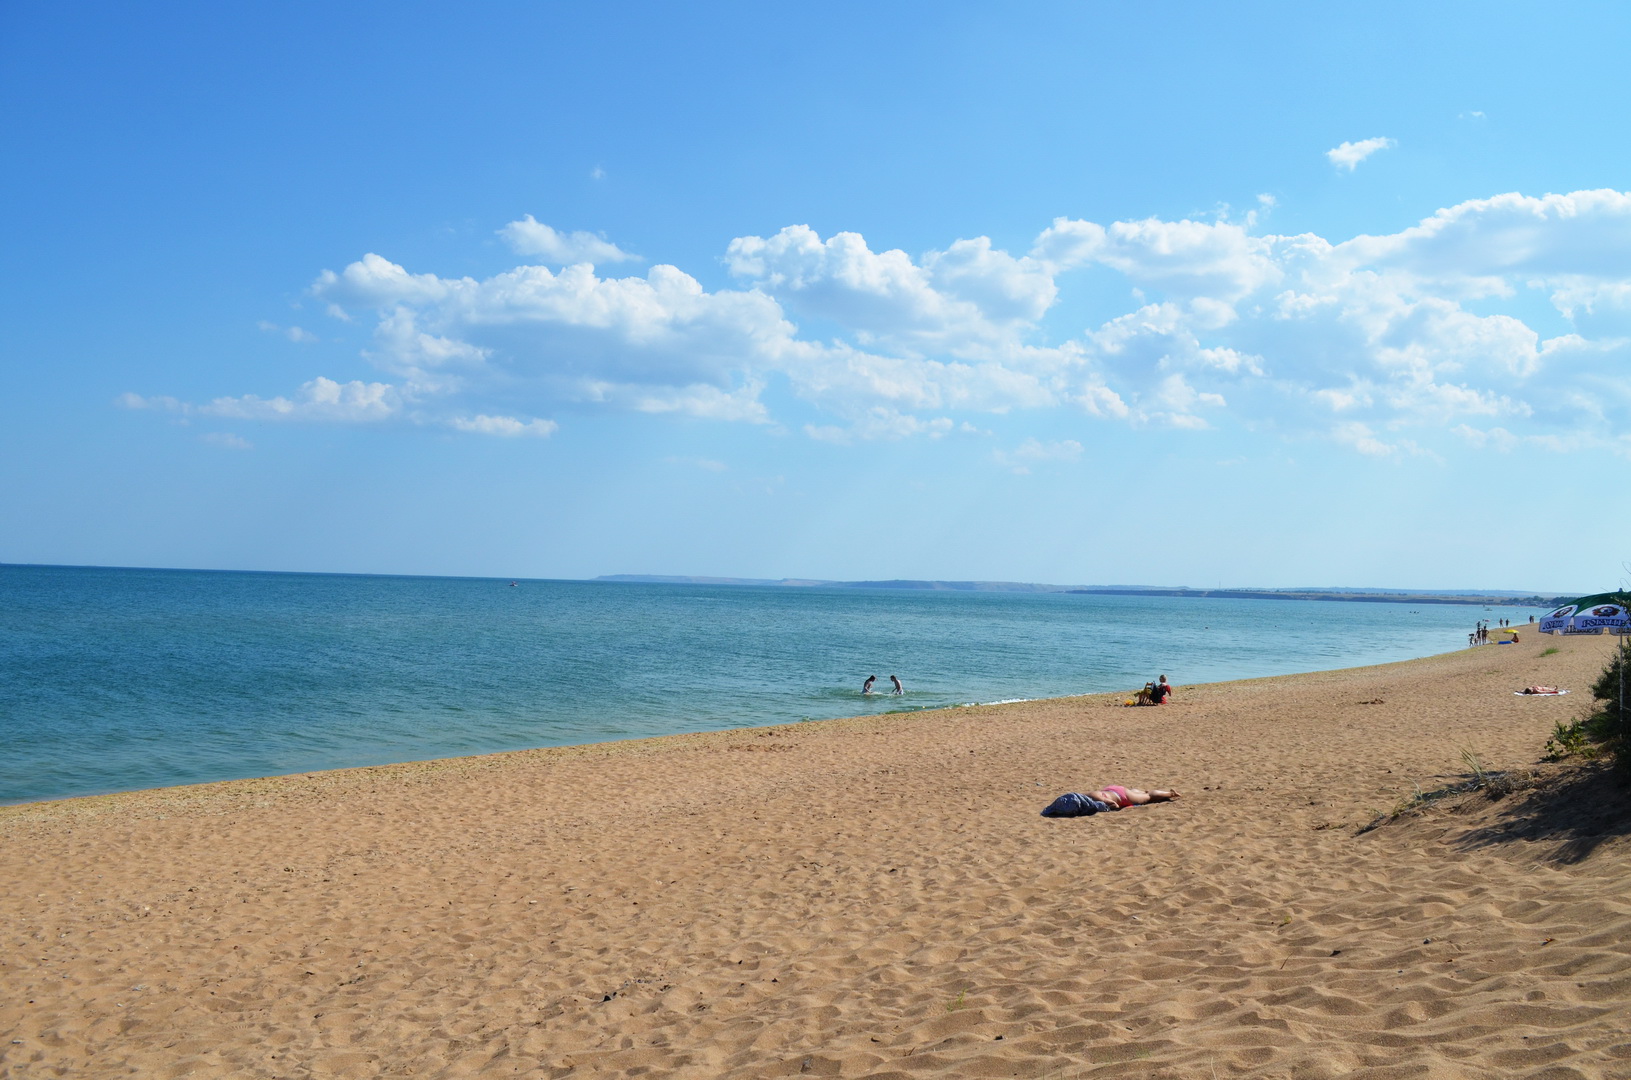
x=1607, y=731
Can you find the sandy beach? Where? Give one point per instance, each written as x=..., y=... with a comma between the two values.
x=864, y=898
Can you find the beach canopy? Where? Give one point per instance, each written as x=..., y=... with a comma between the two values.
x=1591, y=615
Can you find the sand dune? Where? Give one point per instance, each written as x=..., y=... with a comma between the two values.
x=860, y=898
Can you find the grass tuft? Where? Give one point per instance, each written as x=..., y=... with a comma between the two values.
x=1494, y=784
x=1480, y=779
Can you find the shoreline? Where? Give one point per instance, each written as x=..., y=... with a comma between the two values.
x=869, y=896
x=6, y=806
x=324, y=675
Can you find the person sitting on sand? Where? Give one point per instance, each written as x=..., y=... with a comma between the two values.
x=1161, y=691
x=866, y=687
x=1110, y=798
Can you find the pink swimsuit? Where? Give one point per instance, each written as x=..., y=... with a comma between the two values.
x=1120, y=793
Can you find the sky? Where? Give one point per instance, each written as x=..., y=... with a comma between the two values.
x=1269, y=294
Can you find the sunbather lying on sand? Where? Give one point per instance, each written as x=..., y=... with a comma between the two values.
x=1110, y=797
x=1120, y=797
x=1540, y=690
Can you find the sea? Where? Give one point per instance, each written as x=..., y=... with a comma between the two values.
x=118, y=679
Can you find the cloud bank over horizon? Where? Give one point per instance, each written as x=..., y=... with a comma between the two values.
x=1494, y=323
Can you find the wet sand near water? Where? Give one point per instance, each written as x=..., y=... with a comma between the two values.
x=862, y=898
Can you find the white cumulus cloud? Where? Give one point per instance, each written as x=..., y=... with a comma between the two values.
x=321, y=399
x=880, y=422
x=508, y=427
x=1350, y=154
x=1388, y=344
x=373, y=281
x=531, y=237
x=968, y=295
x=293, y=333
x=1219, y=261
x=1033, y=451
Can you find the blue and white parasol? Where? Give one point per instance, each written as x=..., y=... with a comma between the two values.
x=1610, y=612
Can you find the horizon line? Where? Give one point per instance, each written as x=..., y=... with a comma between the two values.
x=807, y=582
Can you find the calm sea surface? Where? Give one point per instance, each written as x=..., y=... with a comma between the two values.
x=118, y=679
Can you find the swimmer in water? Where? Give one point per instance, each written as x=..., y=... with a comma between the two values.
x=899, y=689
x=866, y=687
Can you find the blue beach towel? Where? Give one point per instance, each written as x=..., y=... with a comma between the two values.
x=1071, y=804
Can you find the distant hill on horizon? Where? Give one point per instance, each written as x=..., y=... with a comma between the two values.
x=1359, y=594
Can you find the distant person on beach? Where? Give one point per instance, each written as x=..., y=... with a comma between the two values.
x=1161, y=691
x=899, y=689
x=1107, y=799
x=866, y=687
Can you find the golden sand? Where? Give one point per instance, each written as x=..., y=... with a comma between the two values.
x=874, y=897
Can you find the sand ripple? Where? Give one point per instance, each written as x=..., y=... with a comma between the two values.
x=877, y=899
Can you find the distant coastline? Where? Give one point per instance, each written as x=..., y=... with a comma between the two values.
x=1490, y=597
x=1381, y=596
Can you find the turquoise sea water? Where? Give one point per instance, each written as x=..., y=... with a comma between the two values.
x=118, y=679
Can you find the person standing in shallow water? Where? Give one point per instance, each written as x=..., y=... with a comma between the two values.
x=866, y=687
x=899, y=689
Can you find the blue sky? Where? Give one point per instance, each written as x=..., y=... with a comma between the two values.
x=1282, y=295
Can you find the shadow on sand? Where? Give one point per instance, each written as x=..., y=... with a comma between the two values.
x=1573, y=813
